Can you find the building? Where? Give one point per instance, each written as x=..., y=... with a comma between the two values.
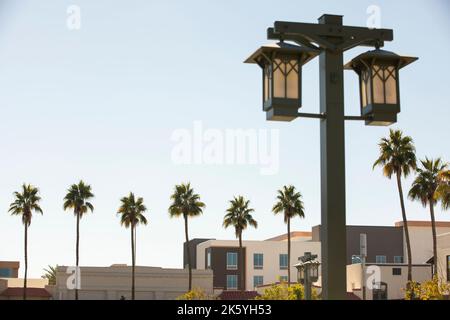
x=11, y=286
x=114, y=283
x=392, y=279
x=265, y=261
x=443, y=253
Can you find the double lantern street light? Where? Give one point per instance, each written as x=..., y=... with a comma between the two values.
x=378, y=72
x=307, y=272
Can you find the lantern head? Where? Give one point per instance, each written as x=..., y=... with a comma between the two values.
x=281, y=65
x=379, y=84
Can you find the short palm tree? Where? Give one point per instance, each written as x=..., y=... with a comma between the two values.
x=425, y=189
x=132, y=214
x=239, y=216
x=186, y=203
x=398, y=157
x=50, y=274
x=76, y=199
x=26, y=202
x=289, y=202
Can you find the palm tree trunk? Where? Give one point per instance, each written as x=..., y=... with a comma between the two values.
x=241, y=263
x=133, y=262
x=289, y=250
x=405, y=226
x=77, y=255
x=433, y=229
x=26, y=263
x=188, y=250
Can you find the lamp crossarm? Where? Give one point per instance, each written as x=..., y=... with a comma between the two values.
x=324, y=116
x=332, y=37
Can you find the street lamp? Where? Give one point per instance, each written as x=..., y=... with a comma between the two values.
x=307, y=272
x=380, y=104
x=281, y=65
x=379, y=85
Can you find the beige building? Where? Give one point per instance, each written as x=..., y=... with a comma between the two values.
x=391, y=282
x=114, y=283
x=421, y=238
x=443, y=253
x=265, y=261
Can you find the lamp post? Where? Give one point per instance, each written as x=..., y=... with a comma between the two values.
x=380, y=103
x=307, y=272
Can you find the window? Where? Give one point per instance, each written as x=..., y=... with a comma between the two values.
x=448, y=268
x=232, y=282
x=258, y=281
x=396, y=271
x=208, y=259
x=258, y=260
x=283, y=261
x=356, y=259
x=5, y=273
x=231, y=260
x=398, y=259
x=283, y=278
x=380, y=259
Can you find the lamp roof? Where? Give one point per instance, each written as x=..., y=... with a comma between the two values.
x=282, y=47
x=380, y=55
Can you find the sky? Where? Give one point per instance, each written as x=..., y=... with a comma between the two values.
x=102, y=103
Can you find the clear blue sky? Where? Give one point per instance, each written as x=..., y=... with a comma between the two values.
x=101, y=103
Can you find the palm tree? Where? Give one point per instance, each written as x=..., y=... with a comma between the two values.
x=24, y=204
x=289, y=202
x=398, y=156
x=77, y=199
x=187, y=204
x=425, y=189
x=132, y=214
x=444, y=188
x=239, y=216
x=50, y=274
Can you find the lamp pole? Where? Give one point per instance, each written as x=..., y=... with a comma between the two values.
x=332, y=39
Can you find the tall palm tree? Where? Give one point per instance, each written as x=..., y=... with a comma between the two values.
x=398, y=157
x=444, y=188
x=289, y=202
x=425, y=189
x=26, y=202
x=132, y=214
x=77, y=199
x=239, y=216
x=187, y=204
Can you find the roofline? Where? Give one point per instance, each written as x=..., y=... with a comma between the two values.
x=423, y=223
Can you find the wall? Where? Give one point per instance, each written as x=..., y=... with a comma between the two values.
x=110, y=283
x=443, y=248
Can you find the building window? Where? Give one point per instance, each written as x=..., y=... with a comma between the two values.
x=258, y=281
x=356, y=259
x=398, y=259
x=448, y=268
x=283, y=278
x=380, y=259
x=208, y=259
x=232, y=282
x=396, y=271
x=258, y=260
x=232, y=260
x=283, y=261
x=5, y=273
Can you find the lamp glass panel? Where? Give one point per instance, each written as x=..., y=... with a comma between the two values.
x=279, y=87
x=292, y=79
x=363, y=91
x=266, y=83
x=378, y=84
x=390, y=85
